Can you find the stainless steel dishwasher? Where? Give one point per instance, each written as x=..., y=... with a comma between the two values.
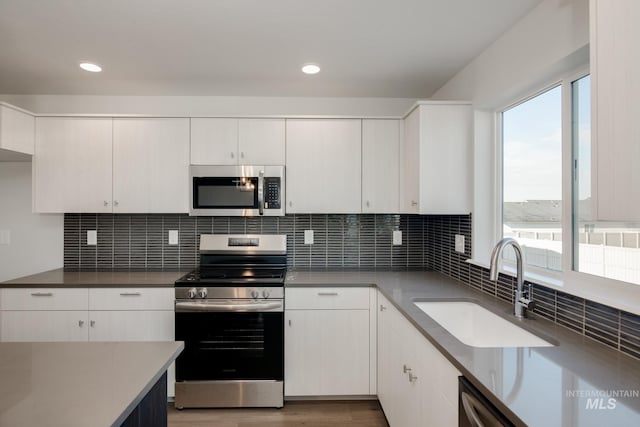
x=475, y=410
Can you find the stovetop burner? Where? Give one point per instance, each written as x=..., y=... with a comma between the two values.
x=235, y=276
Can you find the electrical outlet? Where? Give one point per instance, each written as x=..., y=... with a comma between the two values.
x=460, y=243
x=173, y=237
x=397, y=237
x=92, y=237
x=308, y=237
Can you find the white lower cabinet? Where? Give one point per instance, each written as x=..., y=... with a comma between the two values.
x=329, y=344
x=45, y=325
x=417, y=385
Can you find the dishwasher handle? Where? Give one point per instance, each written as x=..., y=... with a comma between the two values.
x=477, y=414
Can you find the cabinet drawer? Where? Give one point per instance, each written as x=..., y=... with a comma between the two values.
x=43, y=299
x=327, y=298
x=131, y=298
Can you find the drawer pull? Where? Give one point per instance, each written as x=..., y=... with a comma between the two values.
x=130, y=294
x=327, y=294
x=41, y=294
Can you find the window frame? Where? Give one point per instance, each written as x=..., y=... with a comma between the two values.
x=621, y=295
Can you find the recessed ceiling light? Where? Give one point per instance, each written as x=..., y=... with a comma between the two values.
x=88, y=66
x=310, y=69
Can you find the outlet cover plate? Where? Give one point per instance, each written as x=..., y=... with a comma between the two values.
x=397, y=237
x=308, y=237
x=92, y=237
x=173, y=237
x=460, y=243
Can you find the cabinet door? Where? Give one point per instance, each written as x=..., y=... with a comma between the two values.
x=326, y=352
x=380, y=166
x=43, y=325
x=446, y=167
x=17, y=130
x=214, y=141
x=261, y=141
x=410, y=161
x=615, y=66
x=131, y=325
x=389, y=361
x=151, y=165
x=323, y=166
x=72, y=165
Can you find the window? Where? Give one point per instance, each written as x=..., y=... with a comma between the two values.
x=603, y=248
x=532, y=178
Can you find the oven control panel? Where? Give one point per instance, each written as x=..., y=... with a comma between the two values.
x=230, y=293
x=272, y=193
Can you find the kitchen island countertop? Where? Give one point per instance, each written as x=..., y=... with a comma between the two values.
x=78, y=384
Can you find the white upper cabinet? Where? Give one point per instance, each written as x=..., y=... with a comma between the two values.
x=218, y=141
x=261, y=142
x=17, y=134
x=324, y=166
x=437, y=154
x=72, y=165
x=151, y=165
x=380, y=166
x=615, y=66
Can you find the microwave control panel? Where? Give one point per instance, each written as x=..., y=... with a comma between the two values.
x=272, y=193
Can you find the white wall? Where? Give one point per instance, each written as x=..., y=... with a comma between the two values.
x=210, y=105
x=36, y=242
x=549, y=41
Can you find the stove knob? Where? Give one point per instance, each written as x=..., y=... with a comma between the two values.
x=192, y=292
x=202, y=292
x=265, y=293
x=255, y=294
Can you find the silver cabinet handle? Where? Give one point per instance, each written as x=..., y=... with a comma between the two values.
x=414, y=203
x=80, y=323
x=368, y=203
x=327, y=294
x=130, y=294
x=412, y=378
x=41, y=294
x=242, y=154
x=382, y=307
x=289, y=322
x=92, y=323
x=290, y=203
x=260, y=192
x=115, y=203
x=232, y=155
x=406, y=369
x=106, y=203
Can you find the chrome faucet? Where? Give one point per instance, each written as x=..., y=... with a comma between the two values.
x=523, y=298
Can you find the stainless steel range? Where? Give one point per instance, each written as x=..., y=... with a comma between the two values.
x=230, y=314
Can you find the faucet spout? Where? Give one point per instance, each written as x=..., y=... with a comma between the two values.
x=522, y=300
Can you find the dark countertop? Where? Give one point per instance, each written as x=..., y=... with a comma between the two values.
x=536, y=386
x=78, y=383
x=95, y=279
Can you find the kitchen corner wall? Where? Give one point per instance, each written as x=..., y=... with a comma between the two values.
x=614, y=328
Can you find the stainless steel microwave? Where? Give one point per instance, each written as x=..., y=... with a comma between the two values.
x=237, y=190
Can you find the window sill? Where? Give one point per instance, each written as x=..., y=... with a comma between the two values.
x=620, y=295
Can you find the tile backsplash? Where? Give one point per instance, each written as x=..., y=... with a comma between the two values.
x=340, y=242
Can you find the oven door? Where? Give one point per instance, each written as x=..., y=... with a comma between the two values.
x=240, y=342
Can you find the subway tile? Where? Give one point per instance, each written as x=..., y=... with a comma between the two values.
x=570, y=312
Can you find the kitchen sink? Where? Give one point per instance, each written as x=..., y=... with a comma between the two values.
x=476, y=326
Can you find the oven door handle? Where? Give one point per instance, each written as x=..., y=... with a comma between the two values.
x=200, y=306
x=261, y=192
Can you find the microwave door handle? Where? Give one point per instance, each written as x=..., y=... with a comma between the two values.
x=261, y=192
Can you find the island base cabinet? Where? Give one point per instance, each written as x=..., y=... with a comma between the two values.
x=152, y=410
x=417, y=385
x=326, y=352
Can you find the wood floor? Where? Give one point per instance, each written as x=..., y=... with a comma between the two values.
x=308, y=414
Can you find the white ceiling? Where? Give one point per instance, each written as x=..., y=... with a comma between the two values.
x=377, y=48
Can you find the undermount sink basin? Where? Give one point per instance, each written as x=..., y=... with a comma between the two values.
x=478, y=327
